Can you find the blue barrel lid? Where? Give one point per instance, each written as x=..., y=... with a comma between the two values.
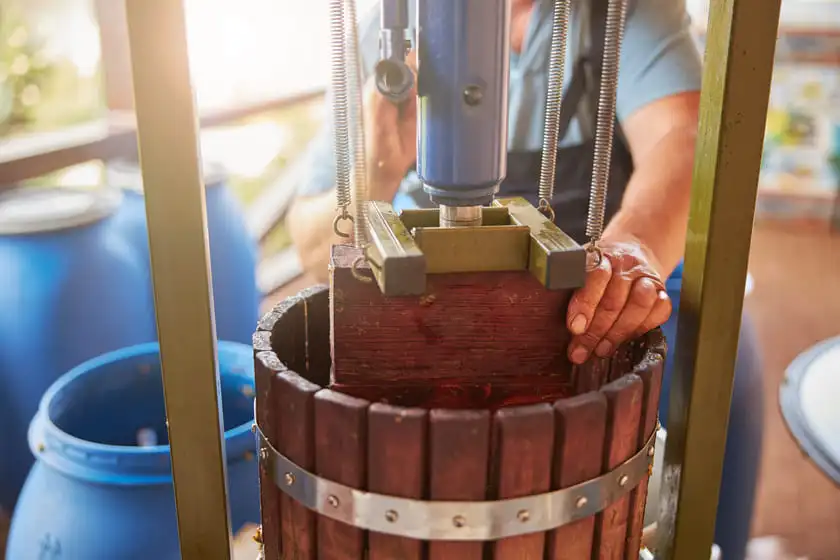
x=125, y=174
x=29, y=210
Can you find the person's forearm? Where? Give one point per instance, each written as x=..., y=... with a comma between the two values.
x=656, y=204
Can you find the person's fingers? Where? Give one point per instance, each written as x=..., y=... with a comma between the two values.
x=586, y=299
x=640, y=302
x=612, y=302
x=659, y=314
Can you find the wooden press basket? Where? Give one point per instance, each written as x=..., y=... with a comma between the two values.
x=349, y=478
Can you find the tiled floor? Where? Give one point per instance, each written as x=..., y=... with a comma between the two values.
x=796, y=303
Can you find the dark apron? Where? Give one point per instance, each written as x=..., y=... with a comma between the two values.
x=574, y=164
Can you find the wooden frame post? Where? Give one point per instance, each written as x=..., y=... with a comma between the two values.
x=170, y=158
x=740, y=50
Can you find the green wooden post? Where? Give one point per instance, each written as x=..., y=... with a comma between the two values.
x=741, y=42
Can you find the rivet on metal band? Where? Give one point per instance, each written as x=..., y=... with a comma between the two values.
x=456, y=521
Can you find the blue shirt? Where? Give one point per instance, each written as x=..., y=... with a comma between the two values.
x=659, y=58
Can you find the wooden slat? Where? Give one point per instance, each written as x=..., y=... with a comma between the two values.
x=294, y=401
x=266, y=366
x=469, y=328
x=287, y=326
x=340, y=453
x=523, y=445
x=578, y=455
x=591, y=375
x=459, y=445
x=316, y=300
x=273, y=353
x=622, y=361
x=650, y=371
x=396, y=466
x=624, y=396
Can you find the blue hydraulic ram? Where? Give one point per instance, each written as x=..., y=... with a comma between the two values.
x=463, y=56
x=462, y=50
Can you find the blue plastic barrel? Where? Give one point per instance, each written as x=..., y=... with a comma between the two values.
x=233, y=250
x=96, y=493
x=68, y=286
x=744, y=436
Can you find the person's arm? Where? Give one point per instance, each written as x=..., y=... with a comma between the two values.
x=657, y=105
x=656, y=203
x=658, y=101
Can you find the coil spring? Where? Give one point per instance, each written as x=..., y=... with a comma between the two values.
x=357, y=127
x=554, y=98
x=605, y=127
x=339, y=104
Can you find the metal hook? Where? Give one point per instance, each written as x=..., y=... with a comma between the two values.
x=545, y=208
x=357, y=274
x=343, y=216
x=594, y=256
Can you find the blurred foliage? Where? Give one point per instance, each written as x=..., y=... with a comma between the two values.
x=38, y=92
x=24, y=71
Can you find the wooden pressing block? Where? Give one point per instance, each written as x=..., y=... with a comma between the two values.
x=467, y=330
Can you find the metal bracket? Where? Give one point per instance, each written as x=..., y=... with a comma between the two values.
x=455, y=521
x=554, y=258
x=513, y=235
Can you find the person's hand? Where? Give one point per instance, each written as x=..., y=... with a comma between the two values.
x=390, y=138
x=623, y=298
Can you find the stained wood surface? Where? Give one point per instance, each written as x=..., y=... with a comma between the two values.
x=624, y=398
x=578, y=455
x=590, y=376
x=278, y=333
x=650, y=372
x=453, y=395
x=266, y=365
x=340, y=456
x=501, y=450
x=459, y=445
x=522, y=455
x=295, y=435
x=397, y=467
x=477, y=327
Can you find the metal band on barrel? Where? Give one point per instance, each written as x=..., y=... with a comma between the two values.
x=455, y=521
